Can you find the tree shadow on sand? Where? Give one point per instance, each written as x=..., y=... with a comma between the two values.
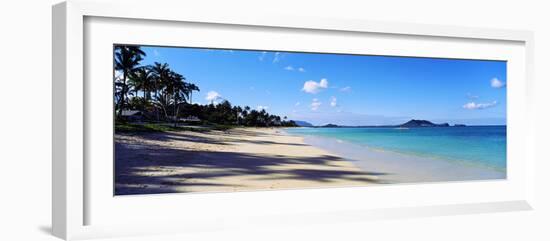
x=135, y=162
x=180, y=136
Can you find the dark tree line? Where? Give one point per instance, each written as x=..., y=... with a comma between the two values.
x=162, y=95
x=226, y=114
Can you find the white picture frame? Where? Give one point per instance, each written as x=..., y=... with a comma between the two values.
x=73, y=192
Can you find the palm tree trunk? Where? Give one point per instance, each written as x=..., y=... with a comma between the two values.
x=174, y=109
x=123, y=93
x=147, y=93
x=156, y=97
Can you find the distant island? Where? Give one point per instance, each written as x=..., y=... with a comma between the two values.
x=303, y=123
x=409, y=124
x=422, y=123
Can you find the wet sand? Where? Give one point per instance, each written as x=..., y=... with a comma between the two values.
x=405, y=168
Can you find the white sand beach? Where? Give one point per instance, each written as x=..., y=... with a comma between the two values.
x=241, y=159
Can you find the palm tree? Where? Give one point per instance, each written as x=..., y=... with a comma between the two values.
x=245, y=112
x=237, y=111
x=161, y=73
x=277, y=120
x=265, y=117
x=162, y=101
x=176, y=86
x=192, y=87
x=127, y=58
x=142, y=79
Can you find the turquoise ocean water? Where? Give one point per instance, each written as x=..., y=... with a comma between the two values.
x=477, y=145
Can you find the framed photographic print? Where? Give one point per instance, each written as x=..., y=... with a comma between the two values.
x=166, y=122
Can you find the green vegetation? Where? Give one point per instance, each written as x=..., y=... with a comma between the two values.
x=159, y=127
x=157, y=94
x=149, y=127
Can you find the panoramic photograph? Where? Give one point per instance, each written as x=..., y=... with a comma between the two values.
x=195, y=120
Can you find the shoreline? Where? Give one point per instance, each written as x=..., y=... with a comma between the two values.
x=404, y=167
x=419, y=155
x=487, y=160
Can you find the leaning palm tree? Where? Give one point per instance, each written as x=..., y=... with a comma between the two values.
x=127, y=59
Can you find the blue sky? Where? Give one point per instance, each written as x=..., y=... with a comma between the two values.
x=345, y=89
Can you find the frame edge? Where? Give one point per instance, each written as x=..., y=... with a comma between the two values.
x=59, y=116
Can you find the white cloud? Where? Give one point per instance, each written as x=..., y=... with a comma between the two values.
x=292, y=68
x=313, y=87
x=479, y=106
x=276, y=57
x=315, y=104
x=470, y=96
x=212, y=96
x=333, y=101
x=297, y=104
x=496, y=83
x=345, y=89
x=262, y=56
x=261, y=107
